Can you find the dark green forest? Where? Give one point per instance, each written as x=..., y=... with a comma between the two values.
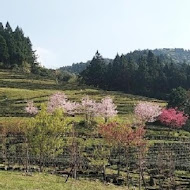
x=75, y=67
x=16, y=49
x=79, y=67
x=16, y=53
x=176, y=55
x=139, y=72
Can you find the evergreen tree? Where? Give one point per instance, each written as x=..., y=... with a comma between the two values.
x=116, y=73
x=8, y=28
x=142, y=76
x=177, y=98
x=1, y=28
x=140, y=72
x=152, y=64
x=4, y=55
x=95, y=72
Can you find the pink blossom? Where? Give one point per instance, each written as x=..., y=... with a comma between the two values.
x=30, y=108
x=57, y=100
x=107, y=108
x=173, y=118
x=88, y=106
x=71, y=108
x=147, y=111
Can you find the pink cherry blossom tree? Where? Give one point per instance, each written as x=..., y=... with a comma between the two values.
x=56, y=101
x=30, y=108
x=71, y=108
x=147, y=111
x=107, y=108
x=88, y=108
x=59, y=101
x=173, y=118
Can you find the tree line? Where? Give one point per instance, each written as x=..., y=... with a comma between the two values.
x=16, y=49
x=141, y=72
x=17, y=54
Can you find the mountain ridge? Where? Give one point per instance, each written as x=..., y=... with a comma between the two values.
x=175, y=55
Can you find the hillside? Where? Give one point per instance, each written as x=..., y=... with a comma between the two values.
x=177, y=55
x=79, y=67
x=75, y=67
x=16, y=88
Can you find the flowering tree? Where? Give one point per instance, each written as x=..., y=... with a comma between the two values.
x=113, y=134
x=59, y=101
x=147, y=111
x=56, y=101
x=30, y=108
x=173, y=118
x=107, y=108
x=122, y=135
x=71, y=108
x=88, y=108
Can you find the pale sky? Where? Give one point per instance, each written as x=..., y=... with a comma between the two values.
x=69, y=31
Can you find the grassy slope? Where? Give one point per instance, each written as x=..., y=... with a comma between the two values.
x=17, y=181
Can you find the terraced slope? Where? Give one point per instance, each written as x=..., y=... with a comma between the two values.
x=16, y=88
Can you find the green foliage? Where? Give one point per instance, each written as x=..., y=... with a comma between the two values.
x=3, y=50
x=45, y=133
x=177, y=97
x=26, y=67
x=65, y=76
x=101, y=153
x=16, y=49
x=177, y=55
x=94, y=73
x=139, y=72
x=75, y=68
